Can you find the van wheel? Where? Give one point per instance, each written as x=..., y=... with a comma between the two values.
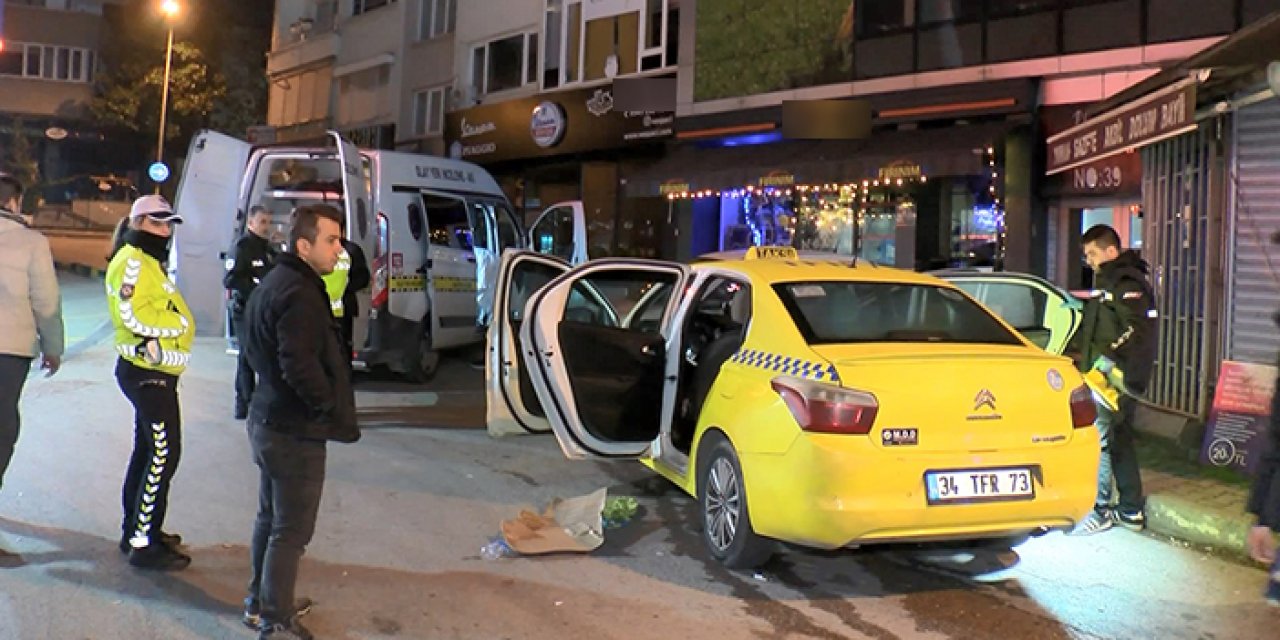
x=726, y=520
x=424, y=362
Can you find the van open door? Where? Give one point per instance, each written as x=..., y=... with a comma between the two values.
x=360, y=222
x=208, y=199
x=561, y=231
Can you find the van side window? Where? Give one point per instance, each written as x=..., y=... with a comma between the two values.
x=415, y=221
x=447, y=222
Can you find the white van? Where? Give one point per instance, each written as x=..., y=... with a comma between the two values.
x=432, y=230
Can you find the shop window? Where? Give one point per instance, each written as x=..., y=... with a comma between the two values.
x=885, y=16
x=437, y=18
x=1004, y=8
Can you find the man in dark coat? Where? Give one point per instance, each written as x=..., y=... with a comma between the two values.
x=1118, y=338
x=304, y=399
x=251, y=259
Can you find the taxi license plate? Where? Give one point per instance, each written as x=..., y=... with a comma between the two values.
x=979, y=485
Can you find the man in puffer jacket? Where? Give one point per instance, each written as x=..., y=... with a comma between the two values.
x=154, y=331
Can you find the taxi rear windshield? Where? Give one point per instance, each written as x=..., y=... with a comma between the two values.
x=853, y=312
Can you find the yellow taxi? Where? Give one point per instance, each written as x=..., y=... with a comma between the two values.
x=816, y=402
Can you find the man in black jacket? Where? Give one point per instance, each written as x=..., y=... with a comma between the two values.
x=1118, y=338
x=304, y=399
x=1264, y=499
x=251, y=259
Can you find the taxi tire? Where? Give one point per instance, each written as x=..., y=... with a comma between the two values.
x=747, y=550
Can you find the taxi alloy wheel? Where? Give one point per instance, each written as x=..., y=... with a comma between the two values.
x=726, y=519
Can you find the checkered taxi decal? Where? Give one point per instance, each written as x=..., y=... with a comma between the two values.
x=786, y=365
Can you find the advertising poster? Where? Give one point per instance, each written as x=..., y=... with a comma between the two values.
x=1238, y=420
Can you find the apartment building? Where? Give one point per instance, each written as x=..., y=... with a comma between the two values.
x=47, y=67
x=379, y=71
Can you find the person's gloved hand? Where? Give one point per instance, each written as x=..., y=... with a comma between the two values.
x=1104, y=364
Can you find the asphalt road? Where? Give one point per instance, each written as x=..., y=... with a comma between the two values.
x=407, y=509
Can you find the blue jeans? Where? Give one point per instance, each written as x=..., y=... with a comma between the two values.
x=1118, y=458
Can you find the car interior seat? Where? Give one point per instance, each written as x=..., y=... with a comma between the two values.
x=712, y=357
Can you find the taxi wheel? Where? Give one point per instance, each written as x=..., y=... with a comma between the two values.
x=726, y=521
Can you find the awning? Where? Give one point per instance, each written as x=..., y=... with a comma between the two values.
x=949, y=151
x=1164, y=114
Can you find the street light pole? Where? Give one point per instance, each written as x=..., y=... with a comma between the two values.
x=170, y=10
x=164, y=97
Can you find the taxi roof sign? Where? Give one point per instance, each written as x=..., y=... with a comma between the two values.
x=772, y=253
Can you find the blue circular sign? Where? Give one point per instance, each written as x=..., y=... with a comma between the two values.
x=158, y=171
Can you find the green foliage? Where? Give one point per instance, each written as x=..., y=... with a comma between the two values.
x=746, y=47
x=129, y=95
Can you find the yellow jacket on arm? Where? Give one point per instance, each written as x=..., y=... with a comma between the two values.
x=145, y=306
x=335, y=283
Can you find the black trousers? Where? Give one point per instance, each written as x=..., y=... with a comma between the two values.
x=1124, y=457
x=13, y=375
x=291, y=480
x=246, y=379
x=157, y=448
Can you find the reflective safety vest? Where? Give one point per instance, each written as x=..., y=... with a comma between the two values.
x=154, y=328
x=335, y=283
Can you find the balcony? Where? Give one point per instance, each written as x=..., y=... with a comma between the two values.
x=309, y=39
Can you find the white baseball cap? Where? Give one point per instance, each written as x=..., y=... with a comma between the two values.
x=156, y=208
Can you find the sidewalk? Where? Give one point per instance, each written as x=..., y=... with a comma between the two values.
x=1191, y=503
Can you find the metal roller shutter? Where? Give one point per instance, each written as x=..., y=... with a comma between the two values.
x=1254, y=264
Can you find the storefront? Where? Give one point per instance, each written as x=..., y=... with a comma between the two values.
x=914, y=199
x=1106, y=191
x=571, y=145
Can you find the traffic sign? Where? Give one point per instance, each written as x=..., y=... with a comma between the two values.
x=158, y=171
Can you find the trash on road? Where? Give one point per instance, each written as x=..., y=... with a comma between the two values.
x=618, y=511
x=497, y=548
x=573, y=525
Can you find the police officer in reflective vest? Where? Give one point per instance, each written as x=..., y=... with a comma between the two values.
x=349, y=276
x=250, y=260
x=154, y=331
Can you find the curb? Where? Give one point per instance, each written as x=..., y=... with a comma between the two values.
x=1185, y=520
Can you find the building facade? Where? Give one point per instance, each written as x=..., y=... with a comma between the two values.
x=47, y=66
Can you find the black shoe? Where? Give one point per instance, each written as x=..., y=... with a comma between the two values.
x=158, y=557
x=171, y=540
x=292, y=630
x=252, y=617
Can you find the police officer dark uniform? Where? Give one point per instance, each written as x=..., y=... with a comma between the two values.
x=1118, y=337
x=250, y=260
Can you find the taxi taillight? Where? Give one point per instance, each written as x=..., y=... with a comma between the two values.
x=1084, y=412
x=824, y=408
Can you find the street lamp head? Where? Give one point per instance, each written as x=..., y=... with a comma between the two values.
x=170, y=8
